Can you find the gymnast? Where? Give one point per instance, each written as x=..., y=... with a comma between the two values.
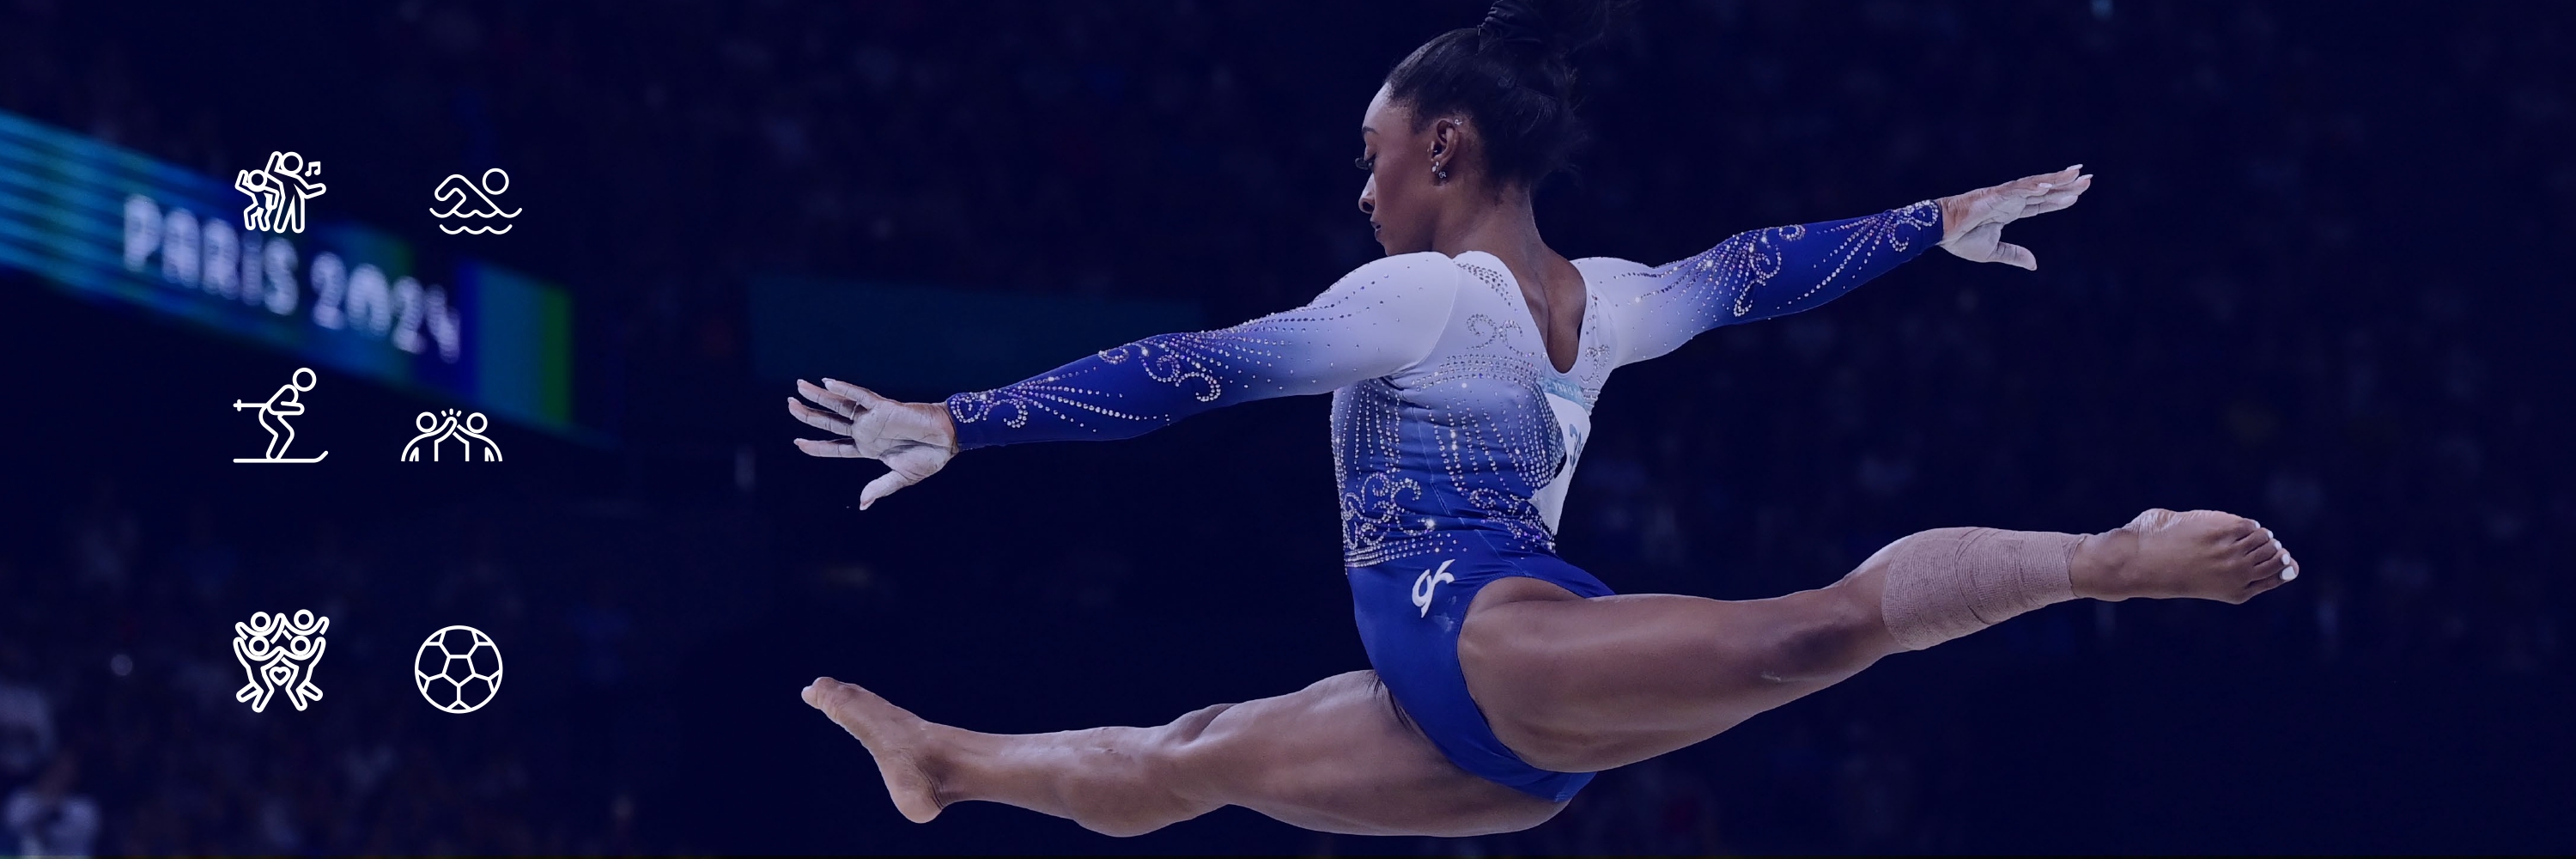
x=1463, y=368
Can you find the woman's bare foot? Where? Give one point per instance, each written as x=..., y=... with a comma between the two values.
x=2202, y=554
x=892, y=734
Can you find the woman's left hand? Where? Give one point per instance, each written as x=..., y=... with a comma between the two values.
x=914, y=440
x=1972, y=224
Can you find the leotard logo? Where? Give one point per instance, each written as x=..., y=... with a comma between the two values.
x=1429, y=579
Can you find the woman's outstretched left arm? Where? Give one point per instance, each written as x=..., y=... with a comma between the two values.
x=1778, y=271
x=1381, y=318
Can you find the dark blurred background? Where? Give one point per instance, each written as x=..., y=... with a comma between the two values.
x=2319, y=282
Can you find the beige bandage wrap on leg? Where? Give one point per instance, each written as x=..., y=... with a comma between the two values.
x=1948, y=582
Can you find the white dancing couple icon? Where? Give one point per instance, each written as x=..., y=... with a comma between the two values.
x=439, y=429
x=279, y=653
x=278, y=192
x=286, y=403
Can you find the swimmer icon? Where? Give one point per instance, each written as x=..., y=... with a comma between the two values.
x=468, y=199
x=287, y=402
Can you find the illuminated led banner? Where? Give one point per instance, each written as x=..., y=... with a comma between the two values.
x=109, y=224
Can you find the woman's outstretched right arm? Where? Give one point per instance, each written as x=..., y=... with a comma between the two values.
x=1380, y=319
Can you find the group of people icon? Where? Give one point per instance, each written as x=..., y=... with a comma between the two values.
x=436, y=429
x=278, y=653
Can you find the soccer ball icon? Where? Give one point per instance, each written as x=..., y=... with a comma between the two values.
x=458, y=669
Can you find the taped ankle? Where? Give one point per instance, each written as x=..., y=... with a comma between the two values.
x=1948, y=582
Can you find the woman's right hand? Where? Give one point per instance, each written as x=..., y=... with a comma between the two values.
x=1972, y=224
x=914, y=440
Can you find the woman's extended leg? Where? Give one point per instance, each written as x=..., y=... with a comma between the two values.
x=1333, y=757
x=1579, y=685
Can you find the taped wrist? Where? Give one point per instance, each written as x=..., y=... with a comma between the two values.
x=1948, y=582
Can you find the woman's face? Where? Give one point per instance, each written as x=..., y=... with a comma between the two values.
x=1400, y=196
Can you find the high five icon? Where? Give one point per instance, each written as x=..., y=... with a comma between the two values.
x=466, y=199
x=279, y=653
x=278, y=192
x=440, y=428
x=286, y=403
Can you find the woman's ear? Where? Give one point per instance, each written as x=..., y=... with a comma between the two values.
x=1446, y=138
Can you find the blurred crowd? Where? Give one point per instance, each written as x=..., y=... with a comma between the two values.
x=2308, y=287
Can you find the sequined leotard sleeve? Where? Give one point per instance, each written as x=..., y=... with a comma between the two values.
x=1380, y=319
x=1757, y=275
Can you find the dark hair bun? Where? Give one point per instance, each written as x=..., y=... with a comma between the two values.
x=1550, y=28
x=1512, y=76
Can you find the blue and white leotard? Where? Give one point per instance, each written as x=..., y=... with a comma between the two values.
x=1454, y=436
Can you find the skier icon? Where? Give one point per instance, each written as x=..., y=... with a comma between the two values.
x=287, y=402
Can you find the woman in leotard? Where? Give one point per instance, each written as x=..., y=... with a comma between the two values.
x=1463, y=368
